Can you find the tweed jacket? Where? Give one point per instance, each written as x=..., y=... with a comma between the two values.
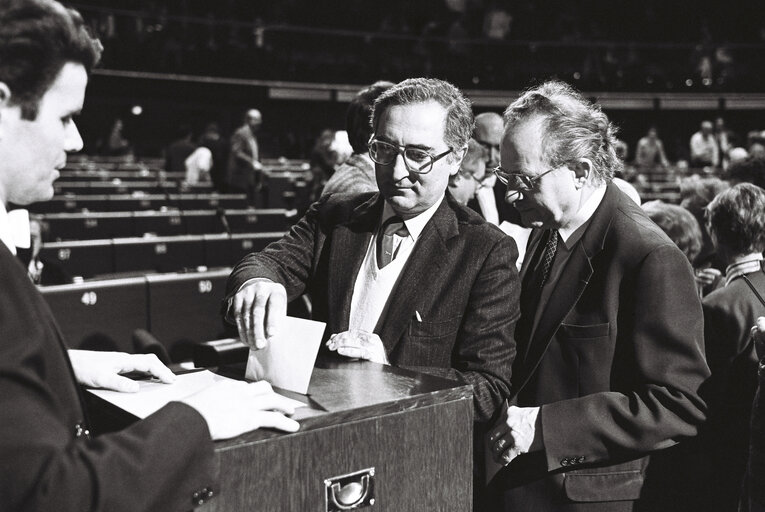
x=453, y=310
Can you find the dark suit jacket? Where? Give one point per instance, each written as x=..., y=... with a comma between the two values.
x=243, y=151
x=616, y=363
x=729, y=314
x=754, y=499
x=460, y=278
x=155, y=464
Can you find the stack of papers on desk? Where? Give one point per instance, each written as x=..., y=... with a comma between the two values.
x=153, y=395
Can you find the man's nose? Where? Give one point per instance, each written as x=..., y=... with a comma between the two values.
x=400, y=171
x=73, y=140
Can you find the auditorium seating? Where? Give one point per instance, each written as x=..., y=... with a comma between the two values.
x=178, y=309
x=74, y=203
x=184, y=310
x=100, y=315
x=96, y=225
x=91, y=259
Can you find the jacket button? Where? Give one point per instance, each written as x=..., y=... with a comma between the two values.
x=580, y=459
x=564, y=462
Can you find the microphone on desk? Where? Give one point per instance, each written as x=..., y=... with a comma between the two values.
x=145, y=343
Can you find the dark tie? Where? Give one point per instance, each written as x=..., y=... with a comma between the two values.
x=385, y=253
x=549, y=255
x=533, y=281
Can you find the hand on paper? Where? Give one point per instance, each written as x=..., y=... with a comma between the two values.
x=259, y=309
x=232, y=408
x=102, y=369
x=758, y=333
x=515, y=433
x=358, y=344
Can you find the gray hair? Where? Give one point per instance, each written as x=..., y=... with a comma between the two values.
x=573, y=127
x=459, y=114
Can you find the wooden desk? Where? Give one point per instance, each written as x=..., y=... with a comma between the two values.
x=413, y=429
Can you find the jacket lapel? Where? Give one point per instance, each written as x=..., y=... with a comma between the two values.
x=574, y=278
x=350, y=241
x=422, y=269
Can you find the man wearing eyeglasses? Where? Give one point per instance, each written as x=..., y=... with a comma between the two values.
x=610, y=344
x=464, y=185
x=405, y=276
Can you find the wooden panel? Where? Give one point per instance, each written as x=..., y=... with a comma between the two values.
x=422, y=460
x=414, y=429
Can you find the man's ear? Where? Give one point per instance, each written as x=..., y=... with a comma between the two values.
x=5, y=99
x=458, y=157
x=583, y=169
x=5, y=94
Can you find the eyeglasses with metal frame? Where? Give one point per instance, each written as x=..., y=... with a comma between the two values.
x=416, y=160
x=517, y=180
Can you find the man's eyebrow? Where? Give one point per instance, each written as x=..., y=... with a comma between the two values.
x=423, y=147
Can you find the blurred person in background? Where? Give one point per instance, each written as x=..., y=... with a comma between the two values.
x=650, y=152
x=116, y=144
x=736, y=222
x=725, y=142
x=464, y=185
x=680, y=226
x=703, y=145
x=695, y=194
x=245, y=172
x=357, y=174
x=490, y=200
x=749, y=170
x=179, y=150
x=212, y=140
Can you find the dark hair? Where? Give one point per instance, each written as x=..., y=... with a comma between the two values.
x=679, y=224
x=459, y=114
x=749, y=170
x=696, y=193
x=358, y=122
x=573, y=127
x=736, y=218
x=37, y=37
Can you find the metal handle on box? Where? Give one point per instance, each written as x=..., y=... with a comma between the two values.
x=351, y=491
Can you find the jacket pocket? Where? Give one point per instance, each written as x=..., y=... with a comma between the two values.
x=603, y=485
x=423, y=329
x=584, y=331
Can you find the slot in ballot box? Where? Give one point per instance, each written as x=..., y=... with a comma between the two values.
x=387, y=438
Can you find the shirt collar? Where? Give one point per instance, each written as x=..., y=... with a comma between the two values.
x=571, y=233
x=743, y=265
x=416, y=224
x=14, y=228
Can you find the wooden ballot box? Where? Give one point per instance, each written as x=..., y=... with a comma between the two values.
x=372, y=438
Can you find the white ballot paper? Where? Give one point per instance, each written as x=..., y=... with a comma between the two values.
x=152, y=395
x=287, y=360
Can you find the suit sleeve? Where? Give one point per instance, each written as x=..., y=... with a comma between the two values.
x=756, y=469
x=485, y=349
x=155, y=464
x=662, y=350
x=287, y=261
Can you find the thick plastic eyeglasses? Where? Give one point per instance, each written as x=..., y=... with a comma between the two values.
x=517, y=180
x=416, y=160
